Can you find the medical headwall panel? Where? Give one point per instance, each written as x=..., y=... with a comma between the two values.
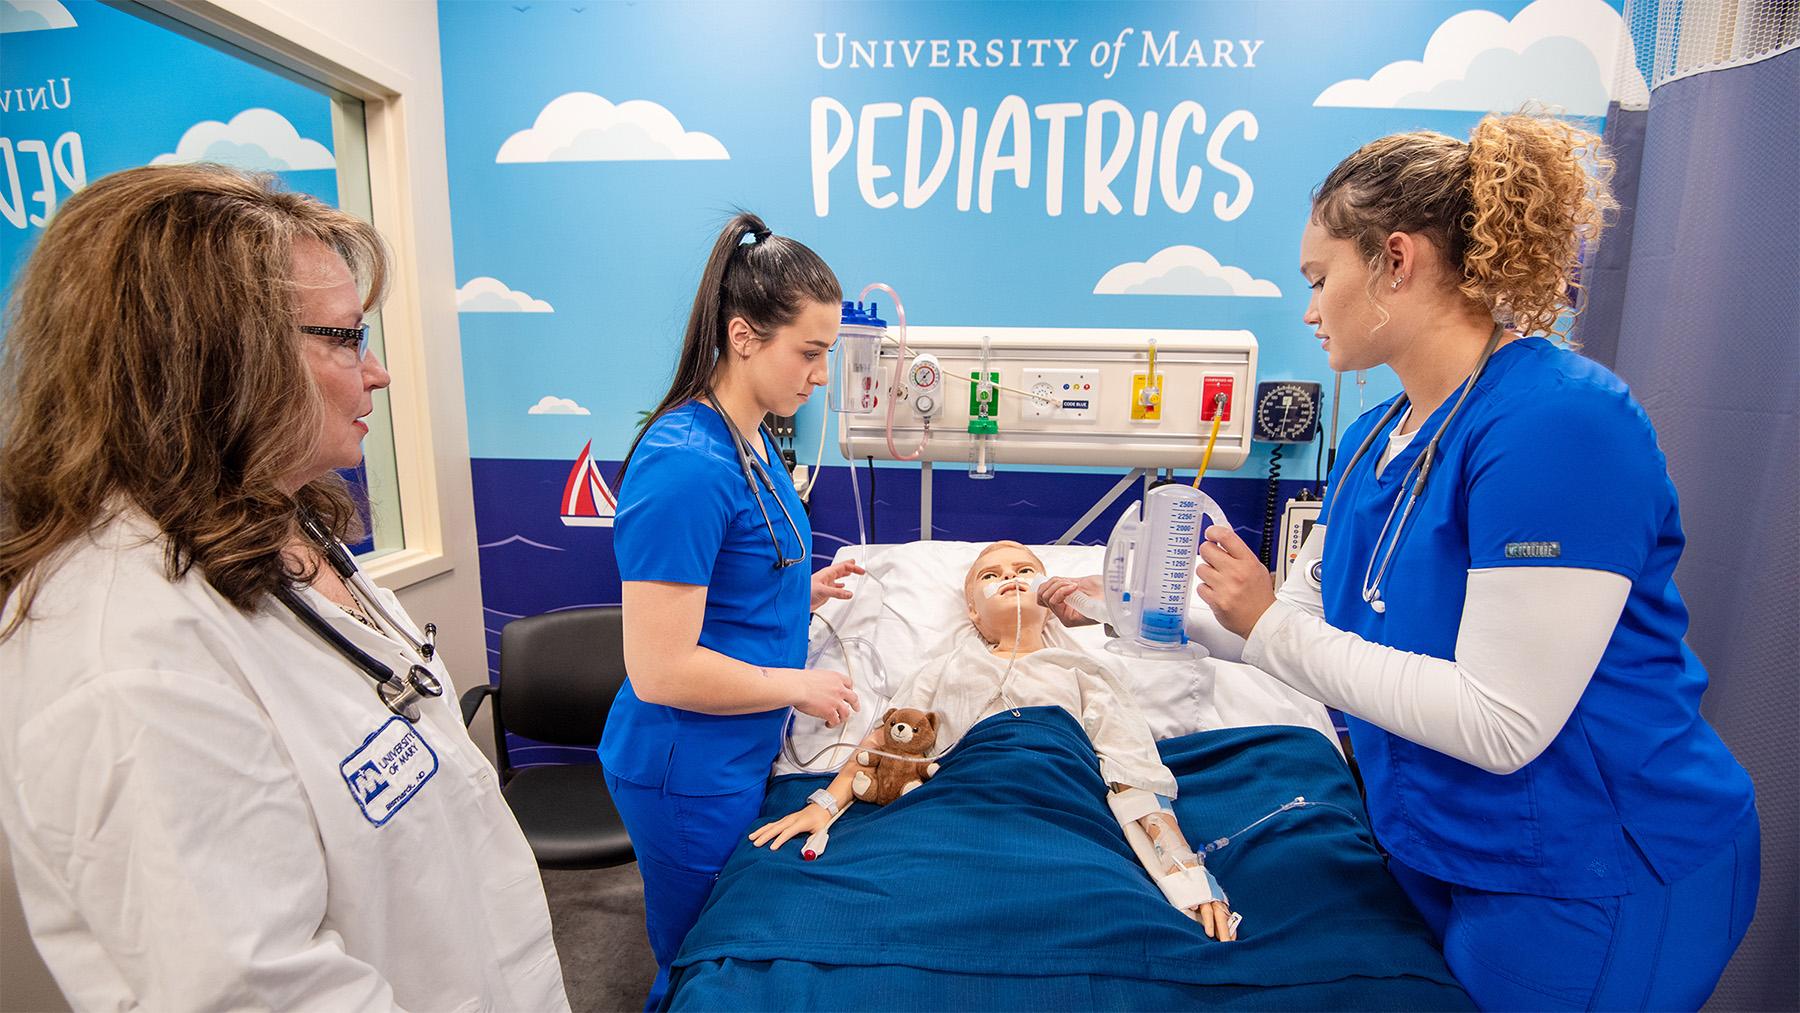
x=1066, y=396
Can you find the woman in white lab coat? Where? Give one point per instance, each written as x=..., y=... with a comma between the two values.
x=209, y=803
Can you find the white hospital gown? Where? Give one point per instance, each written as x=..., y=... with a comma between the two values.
x=963, y=687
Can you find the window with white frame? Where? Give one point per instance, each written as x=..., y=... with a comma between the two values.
x=90, y=88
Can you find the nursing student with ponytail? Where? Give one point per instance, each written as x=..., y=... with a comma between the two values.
x=1493, y=602
x=714, y=552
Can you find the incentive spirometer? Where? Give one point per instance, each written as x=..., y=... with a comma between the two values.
x=1148, y=573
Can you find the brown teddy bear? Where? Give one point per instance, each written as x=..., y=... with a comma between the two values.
x=909, y=733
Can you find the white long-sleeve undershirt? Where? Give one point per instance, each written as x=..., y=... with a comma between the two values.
x=1530, y=639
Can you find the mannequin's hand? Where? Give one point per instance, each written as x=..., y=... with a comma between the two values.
x=809, y=820
x=1215, y=918
x=828, y=583
x=1232, y=581
x=1054, y=594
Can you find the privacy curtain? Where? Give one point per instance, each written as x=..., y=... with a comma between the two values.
x=1694, y=299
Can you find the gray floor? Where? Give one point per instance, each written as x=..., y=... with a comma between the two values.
x=598, y=918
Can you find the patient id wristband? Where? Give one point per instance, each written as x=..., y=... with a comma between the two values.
x=824, y=800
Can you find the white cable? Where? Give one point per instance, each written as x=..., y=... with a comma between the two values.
x=812, y=477
x=971, y=381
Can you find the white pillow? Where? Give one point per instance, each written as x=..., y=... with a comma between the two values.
x=912, y=598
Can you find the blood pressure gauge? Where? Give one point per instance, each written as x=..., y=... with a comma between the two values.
x=1287, y=411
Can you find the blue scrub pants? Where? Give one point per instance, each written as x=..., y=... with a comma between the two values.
x=682, y=841
x=1661, y=947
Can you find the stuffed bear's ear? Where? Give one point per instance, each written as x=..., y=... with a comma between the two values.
x=931, y=720
x=889, y=716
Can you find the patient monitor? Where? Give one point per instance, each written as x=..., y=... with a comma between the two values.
x=1296, y=523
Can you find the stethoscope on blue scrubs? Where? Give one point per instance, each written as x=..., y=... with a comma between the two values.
x=401, y=695
x=1412, y=484
x=753, y=471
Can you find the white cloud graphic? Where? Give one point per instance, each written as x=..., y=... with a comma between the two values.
x=550, y=404
x=583, y=127
x=1565, y=54
x=490, y=295
x=1182, y=270
x=261, y=140
x=33, y=16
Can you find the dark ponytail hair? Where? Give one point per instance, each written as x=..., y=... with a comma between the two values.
x=752, y=273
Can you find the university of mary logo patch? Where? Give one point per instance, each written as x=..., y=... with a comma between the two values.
x=388, y=769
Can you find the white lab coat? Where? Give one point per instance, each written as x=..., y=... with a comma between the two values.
x=180, y=785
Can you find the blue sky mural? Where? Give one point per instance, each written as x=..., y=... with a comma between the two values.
x=1071, y=165
x=1135, y=164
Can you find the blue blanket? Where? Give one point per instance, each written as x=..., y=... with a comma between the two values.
x=1006, y=882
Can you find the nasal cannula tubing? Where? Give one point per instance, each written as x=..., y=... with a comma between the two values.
x=999, y=694
x=788, y=742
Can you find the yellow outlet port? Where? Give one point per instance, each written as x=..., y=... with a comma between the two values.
x=1146, y=398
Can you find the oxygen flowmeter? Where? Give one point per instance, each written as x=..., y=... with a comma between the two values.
x=984, y=416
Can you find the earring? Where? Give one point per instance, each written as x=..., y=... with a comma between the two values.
x=1398, y=280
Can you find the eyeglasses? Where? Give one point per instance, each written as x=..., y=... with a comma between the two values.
x=359, y=332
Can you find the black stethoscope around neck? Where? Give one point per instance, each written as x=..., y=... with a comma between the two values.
x=401, y=694
x=1412, y=483
x=753, y=469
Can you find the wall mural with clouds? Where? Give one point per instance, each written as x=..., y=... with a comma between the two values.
x=86, y=90
x=1073, y=165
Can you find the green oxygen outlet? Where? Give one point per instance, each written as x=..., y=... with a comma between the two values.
x=984, y=404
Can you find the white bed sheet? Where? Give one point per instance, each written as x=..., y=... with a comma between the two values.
x=912, y=599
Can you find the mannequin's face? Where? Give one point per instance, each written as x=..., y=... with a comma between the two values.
x=1006, y=566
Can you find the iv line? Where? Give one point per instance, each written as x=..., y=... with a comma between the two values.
x=1299, y=802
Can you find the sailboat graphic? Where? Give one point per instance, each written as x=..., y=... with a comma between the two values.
x=586, y=501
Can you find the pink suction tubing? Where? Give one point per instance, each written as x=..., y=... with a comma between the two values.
x=900, y=364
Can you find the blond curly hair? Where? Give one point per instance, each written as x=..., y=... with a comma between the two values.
x=1511, y=209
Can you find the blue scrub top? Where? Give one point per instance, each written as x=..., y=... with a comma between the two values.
x=1550, y=463
x=687, y=516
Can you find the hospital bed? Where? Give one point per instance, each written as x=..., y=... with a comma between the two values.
x=1005, y=883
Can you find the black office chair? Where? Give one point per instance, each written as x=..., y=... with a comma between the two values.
x=558, y=674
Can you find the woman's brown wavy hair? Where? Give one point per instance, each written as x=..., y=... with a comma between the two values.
x=152, y=357
x=1510, y=208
